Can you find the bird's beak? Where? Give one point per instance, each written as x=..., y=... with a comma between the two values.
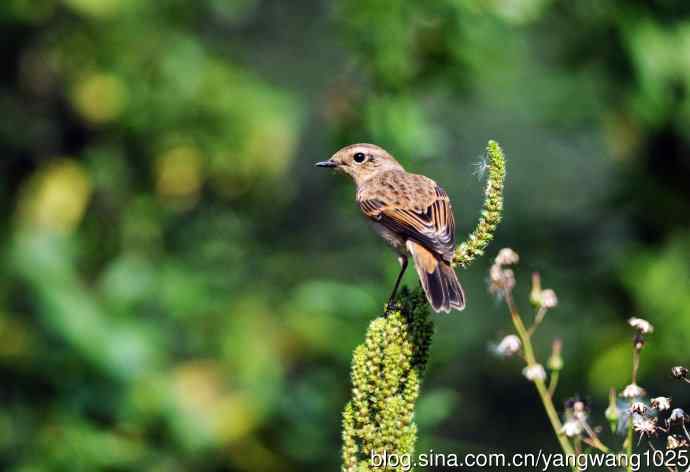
x=328, y=163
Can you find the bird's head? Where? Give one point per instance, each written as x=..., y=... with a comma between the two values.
x=361, y=161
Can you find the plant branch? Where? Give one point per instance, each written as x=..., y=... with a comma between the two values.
x=538, y=318
x=594, y=440
x=553, y=382
x=479, y=239
x=538, y=383
x=628, y=445
x=387, y=371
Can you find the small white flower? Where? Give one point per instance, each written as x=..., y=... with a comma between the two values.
x=679, y=372
x=632, y=392
x=638, y=407
x=572, y=428
x=534, y=372
x=643, y=326
x=661, y=403
x=507, y=256
x=501, y=279
x=508, y=346
x=548, y=298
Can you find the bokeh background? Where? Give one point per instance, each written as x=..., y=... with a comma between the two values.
x=182, y=290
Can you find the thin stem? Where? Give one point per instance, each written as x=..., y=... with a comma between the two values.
x=594, y=439
x=629, y=437
x=538, y=318
x=628, y=444
x=538, y=383
x=553, y=382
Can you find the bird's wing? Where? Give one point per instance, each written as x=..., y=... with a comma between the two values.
x=433, y=227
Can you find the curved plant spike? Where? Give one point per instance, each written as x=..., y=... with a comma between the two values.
x=479, y=239
x=386, y=375
x=387, y=369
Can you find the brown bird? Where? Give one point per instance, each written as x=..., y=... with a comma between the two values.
x=412, y=213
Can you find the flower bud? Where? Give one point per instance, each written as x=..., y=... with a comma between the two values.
x=612, y=415
x=555, y=361
x=535, y=293
x=612, y=412
x=549, y=299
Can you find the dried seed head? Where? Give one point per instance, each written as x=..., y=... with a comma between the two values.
x=638, y=407
x=679, y=372
x=673, y=441
x=632, y=392
x=508, y=346
x=661, y=403
x=677, y=416
x=507, y=256
x=534, y=372
x=645, y=425
x=643, y=326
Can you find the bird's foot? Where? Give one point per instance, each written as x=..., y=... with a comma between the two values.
x=391, y=306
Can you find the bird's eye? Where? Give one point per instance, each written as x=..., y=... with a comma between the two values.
x=359, y=157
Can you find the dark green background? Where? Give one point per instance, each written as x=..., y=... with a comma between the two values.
x=182, y=290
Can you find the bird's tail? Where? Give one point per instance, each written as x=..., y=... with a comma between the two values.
x=441, y=284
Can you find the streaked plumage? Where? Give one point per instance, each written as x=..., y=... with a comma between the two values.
x=412, y=213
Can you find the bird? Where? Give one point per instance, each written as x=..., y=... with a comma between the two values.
x=412, y=213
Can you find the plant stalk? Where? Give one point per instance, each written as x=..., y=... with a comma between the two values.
x=539, y=383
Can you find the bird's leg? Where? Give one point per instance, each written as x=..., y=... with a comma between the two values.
x=403, y=268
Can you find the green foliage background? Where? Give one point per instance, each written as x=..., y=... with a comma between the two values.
x=182, y=290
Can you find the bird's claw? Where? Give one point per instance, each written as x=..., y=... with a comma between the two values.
x=391, y=306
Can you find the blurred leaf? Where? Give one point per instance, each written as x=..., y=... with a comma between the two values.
x=434, y=407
